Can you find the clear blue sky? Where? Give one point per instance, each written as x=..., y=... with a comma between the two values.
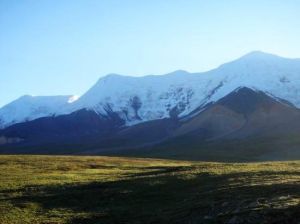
x=63, y=46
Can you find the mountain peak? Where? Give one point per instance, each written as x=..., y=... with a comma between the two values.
x=245, y=100
x=259, y=55
x=110, y=75
x=178, y=72
x=257, y=64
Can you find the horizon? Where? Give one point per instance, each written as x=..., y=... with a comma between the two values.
x=57, y=48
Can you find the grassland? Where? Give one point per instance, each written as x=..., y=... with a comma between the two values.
x=65, y=189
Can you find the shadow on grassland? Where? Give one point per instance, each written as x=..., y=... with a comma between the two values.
x=161, y=197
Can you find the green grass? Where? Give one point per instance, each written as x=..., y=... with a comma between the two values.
x=70, y=189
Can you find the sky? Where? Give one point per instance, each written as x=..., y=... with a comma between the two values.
x=61, y=47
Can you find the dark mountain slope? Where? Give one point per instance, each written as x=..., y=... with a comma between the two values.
x=140, y=137
x=77, y=127
x=81, y=132
x=243, y=113
x=246, y=125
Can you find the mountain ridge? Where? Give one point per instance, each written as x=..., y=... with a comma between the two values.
x=140, y=99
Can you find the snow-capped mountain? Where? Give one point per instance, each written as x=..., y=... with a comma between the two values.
x=139, y=99
x=28, y=108
x=146, y=98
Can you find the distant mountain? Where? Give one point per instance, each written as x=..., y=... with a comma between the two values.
x=247, y=109
x=140, y=99
x=245, y=115
x=28, y=108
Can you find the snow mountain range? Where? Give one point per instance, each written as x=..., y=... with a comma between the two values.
x=177, y=94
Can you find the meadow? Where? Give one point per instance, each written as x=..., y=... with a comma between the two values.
x=92, y=189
